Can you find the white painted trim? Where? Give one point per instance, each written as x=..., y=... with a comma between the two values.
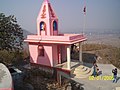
x=68, y=57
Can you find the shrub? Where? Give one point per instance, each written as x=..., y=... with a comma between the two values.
x=6, y=57
x=91, y=47
x=10, y=57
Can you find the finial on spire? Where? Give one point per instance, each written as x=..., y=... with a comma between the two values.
x=46, y=0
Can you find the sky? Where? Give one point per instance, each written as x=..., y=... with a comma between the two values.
x=100, y=14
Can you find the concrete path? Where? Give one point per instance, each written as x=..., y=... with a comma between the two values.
x=100, y=84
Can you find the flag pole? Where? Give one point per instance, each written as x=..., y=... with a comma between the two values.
x=84, y=25
x=84, y=19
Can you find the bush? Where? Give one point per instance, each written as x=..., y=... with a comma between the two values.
x=10, y=57
x=92, y=47
x=6, y=57
x=115, y=55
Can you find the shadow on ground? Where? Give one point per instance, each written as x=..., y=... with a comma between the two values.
x=118, y=79
x=89, y=58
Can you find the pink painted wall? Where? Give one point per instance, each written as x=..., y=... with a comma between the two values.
x=33, y=53
x=51, y=53
x=55, y=54
x=64, y=53
x=47, y=59
x=61, y=53
x=43, y=33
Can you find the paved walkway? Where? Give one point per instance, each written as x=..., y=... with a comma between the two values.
x=100, y=84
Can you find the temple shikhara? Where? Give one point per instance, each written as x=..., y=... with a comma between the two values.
x=48, y=47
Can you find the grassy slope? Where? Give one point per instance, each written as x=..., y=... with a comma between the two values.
x=103, y=53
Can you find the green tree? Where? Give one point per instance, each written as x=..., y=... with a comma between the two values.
x=11, y=34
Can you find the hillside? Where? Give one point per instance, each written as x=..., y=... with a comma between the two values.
x=104, y=54
x=25, y=33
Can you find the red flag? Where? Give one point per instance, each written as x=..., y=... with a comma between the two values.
x=84, y=10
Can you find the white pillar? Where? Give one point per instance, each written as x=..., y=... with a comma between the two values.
x=68, y=57
x=80, y=52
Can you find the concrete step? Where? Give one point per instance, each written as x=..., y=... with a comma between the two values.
x=82, y=72
x=83, y=76
x=81, y=69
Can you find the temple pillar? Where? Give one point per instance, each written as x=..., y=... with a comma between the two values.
x=68, y=57
x=59, y=54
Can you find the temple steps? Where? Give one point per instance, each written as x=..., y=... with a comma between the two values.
x=81, y=72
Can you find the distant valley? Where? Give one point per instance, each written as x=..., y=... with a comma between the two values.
x=108, y=37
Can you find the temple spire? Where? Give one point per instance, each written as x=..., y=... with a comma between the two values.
x=47, y=21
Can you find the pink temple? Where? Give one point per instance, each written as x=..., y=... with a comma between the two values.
x=48, y=47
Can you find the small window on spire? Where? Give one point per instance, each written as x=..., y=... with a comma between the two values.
x=55, y=27
x=42, y=26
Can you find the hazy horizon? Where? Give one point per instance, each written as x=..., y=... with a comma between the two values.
x=102, y=15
